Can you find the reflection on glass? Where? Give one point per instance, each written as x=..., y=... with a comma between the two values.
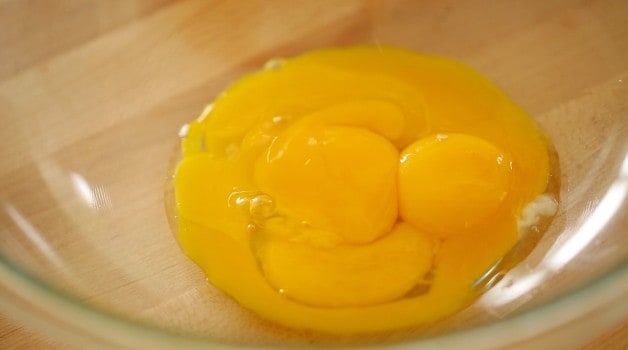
x=603, y=213
x=33, y=235
x=518, y=283
x=96, y=197
x=514, y=290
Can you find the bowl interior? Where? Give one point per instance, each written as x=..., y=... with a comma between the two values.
x=92, y=98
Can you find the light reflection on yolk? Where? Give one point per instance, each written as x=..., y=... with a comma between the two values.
x=356, y=190
x=338, y=178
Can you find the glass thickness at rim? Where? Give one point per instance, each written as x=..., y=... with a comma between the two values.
x=30, y=301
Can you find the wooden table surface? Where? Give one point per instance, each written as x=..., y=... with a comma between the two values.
x=177, y=54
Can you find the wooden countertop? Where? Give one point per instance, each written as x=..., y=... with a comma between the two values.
x=186, y=51
x=17, y=337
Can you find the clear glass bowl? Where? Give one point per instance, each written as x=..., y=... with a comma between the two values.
x=92, y=96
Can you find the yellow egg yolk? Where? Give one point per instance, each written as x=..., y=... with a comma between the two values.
x=356, y=190
x=450, y=183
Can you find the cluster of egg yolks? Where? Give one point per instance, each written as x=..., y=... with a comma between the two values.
x=324, y=193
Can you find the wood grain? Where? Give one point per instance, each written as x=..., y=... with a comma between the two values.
x=93, y=92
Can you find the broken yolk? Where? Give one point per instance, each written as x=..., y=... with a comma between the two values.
x=356, y=190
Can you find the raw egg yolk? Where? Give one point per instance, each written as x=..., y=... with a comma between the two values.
x=356, y=190
x=450, y=183
x=338, y=178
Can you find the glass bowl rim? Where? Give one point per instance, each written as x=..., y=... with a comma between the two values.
x=87, y=323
